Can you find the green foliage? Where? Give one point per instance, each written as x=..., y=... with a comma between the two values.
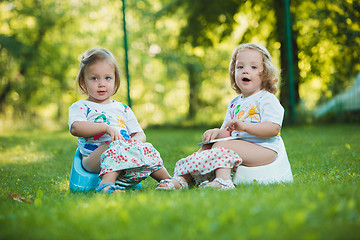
x=328, y=59
x=32, y=40
x=322, y=203
x=204, y=17
x=326, y=36
x=179, y=53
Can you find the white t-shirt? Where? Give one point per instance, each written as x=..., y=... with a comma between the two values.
x=115, y=114
x=262, y=106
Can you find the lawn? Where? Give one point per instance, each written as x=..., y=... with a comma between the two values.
x=322, y=203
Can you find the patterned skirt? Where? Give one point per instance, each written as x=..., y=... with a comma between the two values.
x=135, y=161
x=202, y=165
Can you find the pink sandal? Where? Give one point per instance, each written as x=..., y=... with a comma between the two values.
x=224, y=184
x=170, y=185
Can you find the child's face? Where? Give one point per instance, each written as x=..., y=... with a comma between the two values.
x=99, y=80
x=248, y=69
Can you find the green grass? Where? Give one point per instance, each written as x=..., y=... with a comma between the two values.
x=322, y=203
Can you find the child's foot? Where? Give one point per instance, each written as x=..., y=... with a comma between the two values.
x=218, y=183
x=172, y=184
x=109, y=188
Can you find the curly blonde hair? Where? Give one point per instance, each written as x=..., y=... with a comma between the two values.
x=270, y=74
x=91, y=56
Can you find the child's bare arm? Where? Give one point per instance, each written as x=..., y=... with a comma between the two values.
x=89, y=129
x=139, y=136
x=264, y=129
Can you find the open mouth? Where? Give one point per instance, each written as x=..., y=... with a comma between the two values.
x=246, y=79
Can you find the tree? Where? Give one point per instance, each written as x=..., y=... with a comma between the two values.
x=218, y=16
x=39, y=45
x=25, y=46
x=328, y=44
x=314, y=24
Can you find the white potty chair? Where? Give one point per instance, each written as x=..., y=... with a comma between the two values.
x=276, y=172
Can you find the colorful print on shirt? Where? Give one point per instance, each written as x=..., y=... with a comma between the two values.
x=250, y=112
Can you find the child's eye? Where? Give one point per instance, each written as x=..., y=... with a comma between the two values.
x=253, y=67
x=108, y=78
x=240, y=67
x=94, y=78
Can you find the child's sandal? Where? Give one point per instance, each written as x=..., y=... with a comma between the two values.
x=224, y=184
x=112, y=188
x=170, y=185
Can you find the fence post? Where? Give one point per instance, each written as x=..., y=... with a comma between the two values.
x=126, y=55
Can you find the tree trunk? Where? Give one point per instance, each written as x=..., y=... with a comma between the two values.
x=193, y=91
x=3, y=95
x=285, y=87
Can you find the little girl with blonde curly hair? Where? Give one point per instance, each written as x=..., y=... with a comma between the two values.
x=255, y=116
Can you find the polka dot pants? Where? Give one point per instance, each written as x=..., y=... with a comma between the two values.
x=202, y=165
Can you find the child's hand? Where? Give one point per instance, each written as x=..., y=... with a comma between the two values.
x=210, y=134
x=235, y=125
x=114, y=133
x=223, y=133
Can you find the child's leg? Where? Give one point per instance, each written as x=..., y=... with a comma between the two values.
x=160, y=174
x=223, y=173
x=251, y=154
x=222, y=179
x=92, y=162
x=109, y=178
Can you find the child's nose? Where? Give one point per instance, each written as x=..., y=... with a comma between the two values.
x=102, y=82
x=245, y=70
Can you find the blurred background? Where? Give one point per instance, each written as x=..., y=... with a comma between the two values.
x=178, y=57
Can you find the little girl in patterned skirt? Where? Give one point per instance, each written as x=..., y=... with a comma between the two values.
x=134, y=161
x=205, y=166
x=110, y=139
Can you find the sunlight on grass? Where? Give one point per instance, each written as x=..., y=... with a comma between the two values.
x=23, y=154
x=325, y=193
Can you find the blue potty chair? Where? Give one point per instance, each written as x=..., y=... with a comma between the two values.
x=84, y=181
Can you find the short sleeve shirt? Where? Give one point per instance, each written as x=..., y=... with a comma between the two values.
x=262, y=106
x=116, y=114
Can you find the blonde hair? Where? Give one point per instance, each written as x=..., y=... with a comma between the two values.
x=270, y=74
x=91, y=56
